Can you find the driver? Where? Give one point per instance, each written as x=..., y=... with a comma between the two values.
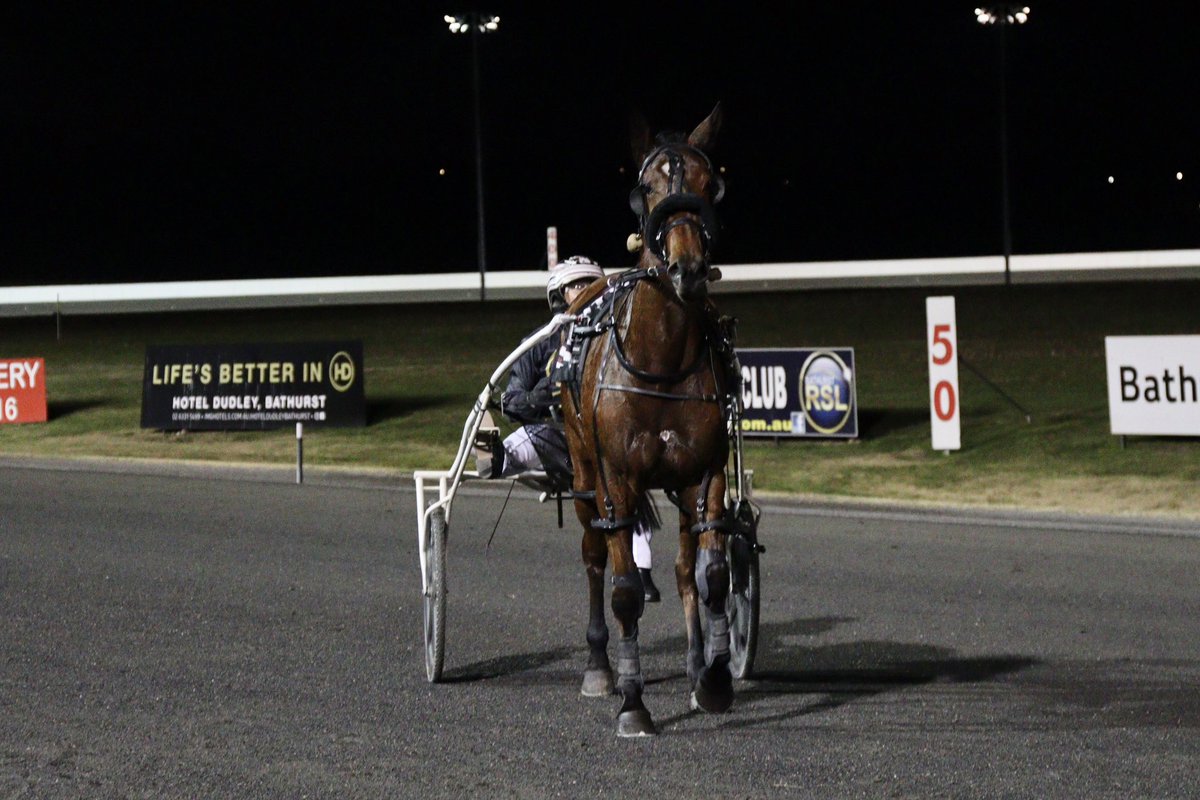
x=533, y=400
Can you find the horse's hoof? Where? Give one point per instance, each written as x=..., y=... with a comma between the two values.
x=711, y=703
x=634, y=724
x=712, y=694
x=597, y=683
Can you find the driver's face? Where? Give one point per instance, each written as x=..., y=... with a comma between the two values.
x=573, y=290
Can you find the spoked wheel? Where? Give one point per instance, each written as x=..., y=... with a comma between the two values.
x=435, y=595
x=742, y=607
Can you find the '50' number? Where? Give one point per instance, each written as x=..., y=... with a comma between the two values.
x=944, y=400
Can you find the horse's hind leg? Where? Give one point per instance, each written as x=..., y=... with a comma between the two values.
x=713, y=689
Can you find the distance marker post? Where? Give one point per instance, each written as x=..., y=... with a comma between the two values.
x=942, y=340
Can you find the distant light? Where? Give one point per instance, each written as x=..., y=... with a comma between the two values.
x=621, y=170
x=1178, y=176
x=442, y=171
x=722, y=170
x=484, y=23
x=1002, y=13
x=1111, y=179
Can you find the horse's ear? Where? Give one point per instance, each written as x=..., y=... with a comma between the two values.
x=639, y=136
x=705, y=135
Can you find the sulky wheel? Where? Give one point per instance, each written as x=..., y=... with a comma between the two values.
x=435, y=595
x=742, y=607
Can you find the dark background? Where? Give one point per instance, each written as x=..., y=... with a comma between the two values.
x=175, y=141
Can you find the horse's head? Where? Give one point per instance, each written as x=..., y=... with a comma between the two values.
x=677, y=189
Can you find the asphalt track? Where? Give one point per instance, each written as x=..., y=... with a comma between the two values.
x=172, y=631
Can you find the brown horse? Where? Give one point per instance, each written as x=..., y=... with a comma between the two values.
x=651, y=411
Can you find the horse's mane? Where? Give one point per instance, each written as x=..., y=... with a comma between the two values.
x=670, y=137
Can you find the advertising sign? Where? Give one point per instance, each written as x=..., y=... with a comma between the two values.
x=253, y=386
x=942, y=340
x=1152, y=385
x=22, y=390
x=799, y=392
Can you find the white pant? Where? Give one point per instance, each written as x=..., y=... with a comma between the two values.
x=521, y=456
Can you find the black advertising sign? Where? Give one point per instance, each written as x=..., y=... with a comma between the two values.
x=253, y=386
x=799, y=392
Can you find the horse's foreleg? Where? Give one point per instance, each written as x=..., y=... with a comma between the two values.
x=714, y=687
x=628, y=602
x=598, y=676
x=685, y=581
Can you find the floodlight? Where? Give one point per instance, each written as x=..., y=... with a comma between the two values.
x=1002, y=13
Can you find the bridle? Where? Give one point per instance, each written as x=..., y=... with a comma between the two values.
x=687, y=208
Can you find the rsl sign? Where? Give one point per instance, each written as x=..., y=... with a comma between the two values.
x=799, y=392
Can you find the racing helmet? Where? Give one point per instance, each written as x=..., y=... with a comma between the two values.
x=564, y=274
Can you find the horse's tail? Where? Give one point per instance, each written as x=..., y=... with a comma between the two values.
x=647, y=510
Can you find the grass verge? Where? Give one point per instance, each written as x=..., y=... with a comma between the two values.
x=1043, y=345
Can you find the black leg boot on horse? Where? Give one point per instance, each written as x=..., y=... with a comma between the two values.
x=703, y=576
x=713, y=690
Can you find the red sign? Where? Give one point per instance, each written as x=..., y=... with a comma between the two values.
x=22, y=390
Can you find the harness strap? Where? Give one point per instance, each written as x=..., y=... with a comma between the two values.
x=608, y=503
x=613, y=523
x=650, y=377
x=713, y=525
x=704, y=398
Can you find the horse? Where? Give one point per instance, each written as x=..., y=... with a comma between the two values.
x=650, y=411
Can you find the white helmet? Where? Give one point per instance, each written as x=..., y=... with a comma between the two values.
x=567, y=272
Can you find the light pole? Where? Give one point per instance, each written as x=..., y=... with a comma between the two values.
x=476, y=24
x=1003, y=15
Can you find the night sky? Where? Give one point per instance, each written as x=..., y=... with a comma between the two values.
x=169, y=141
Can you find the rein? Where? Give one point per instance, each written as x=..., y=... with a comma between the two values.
x=669, y=378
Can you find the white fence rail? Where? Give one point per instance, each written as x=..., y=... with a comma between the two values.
x=110, y=298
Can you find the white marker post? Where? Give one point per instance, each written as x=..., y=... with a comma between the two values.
x=551, y=247
x=942, y=340
x=299, y=452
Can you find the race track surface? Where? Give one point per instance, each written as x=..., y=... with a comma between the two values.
x=230, y=634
